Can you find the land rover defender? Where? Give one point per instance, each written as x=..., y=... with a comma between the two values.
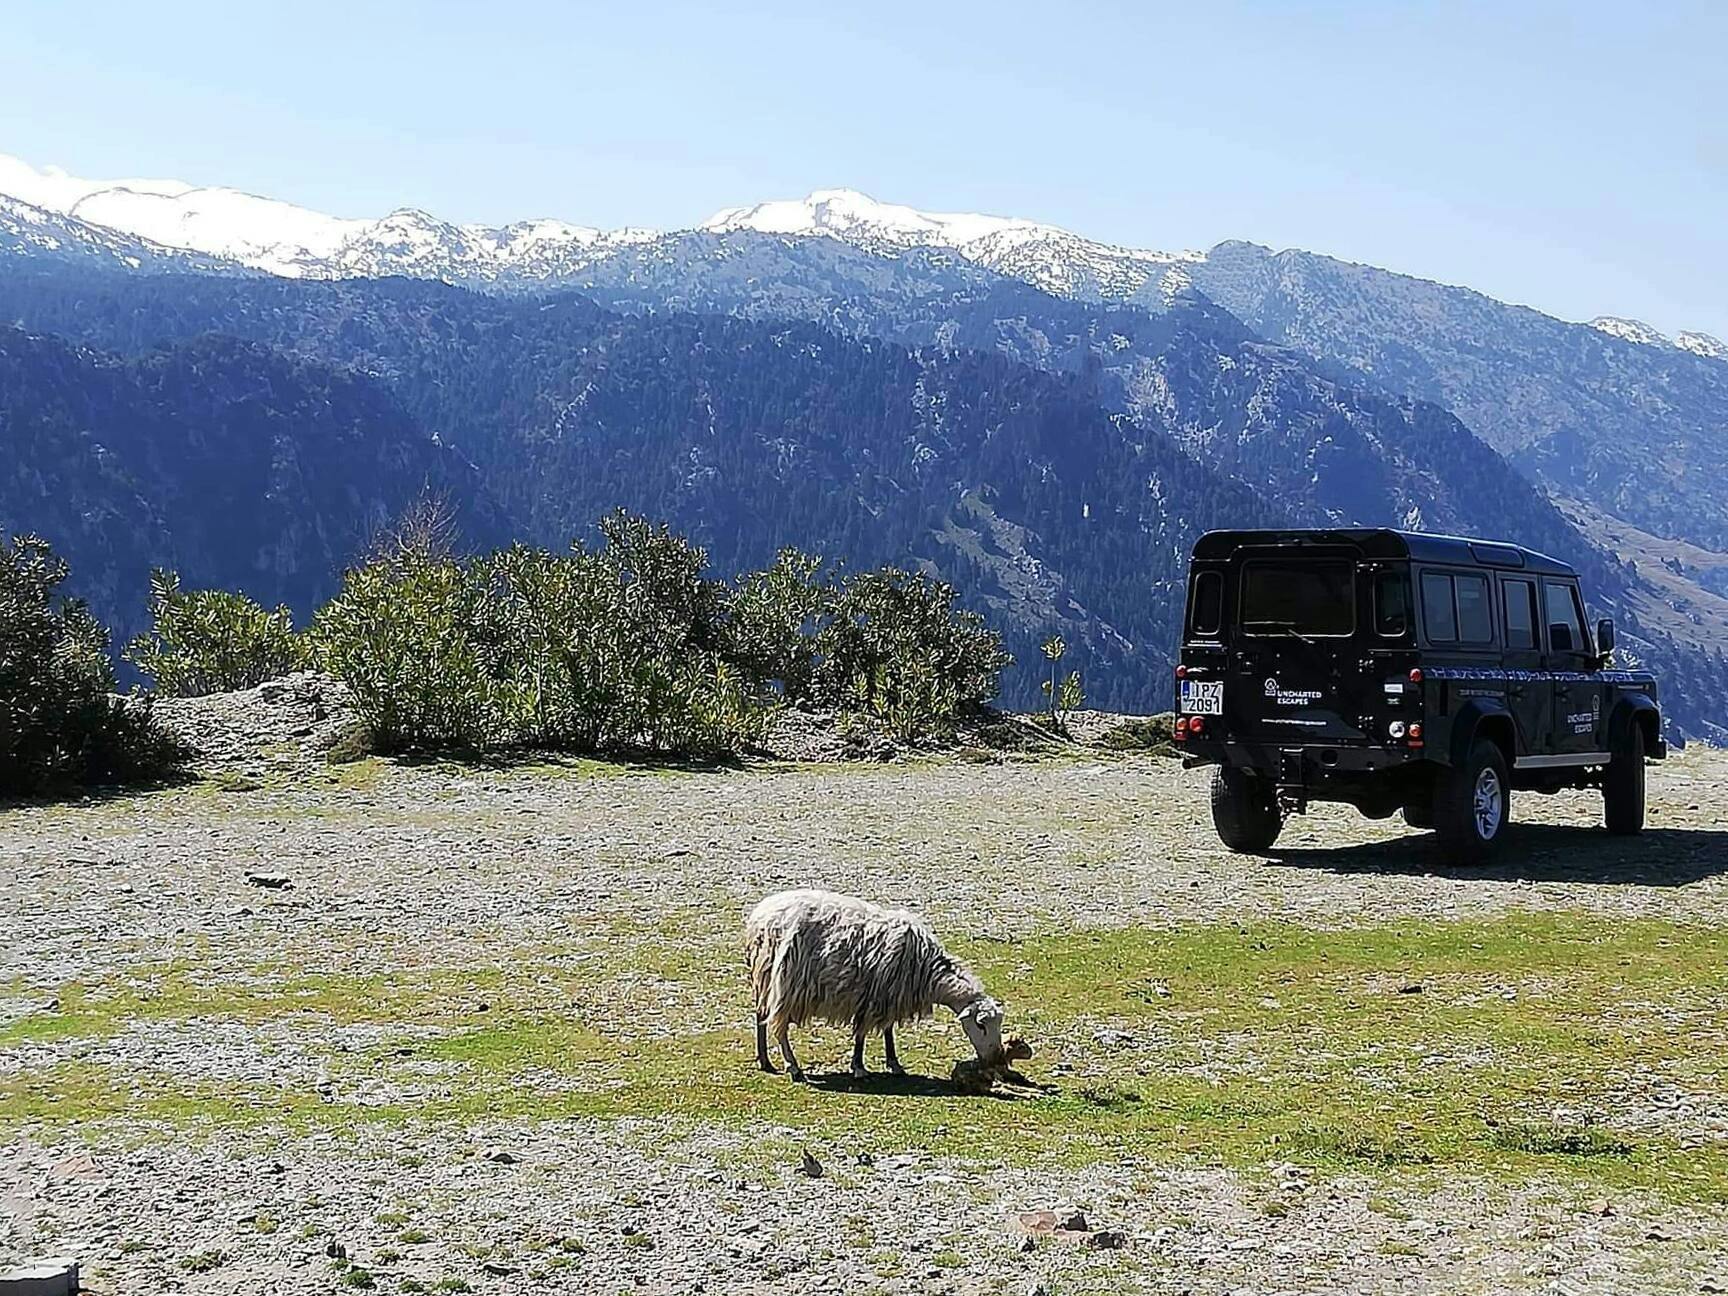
x=1398, y=671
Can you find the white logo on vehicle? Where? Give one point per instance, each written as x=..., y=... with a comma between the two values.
x=1291, y=697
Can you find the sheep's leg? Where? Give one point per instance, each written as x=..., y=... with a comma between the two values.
x=762, y=1058
x=888, y=1048
x=792, y=1067
x=859, y=1071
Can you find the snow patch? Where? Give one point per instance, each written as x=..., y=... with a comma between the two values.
x=1630, y=330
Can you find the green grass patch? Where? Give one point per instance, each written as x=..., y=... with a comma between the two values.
x=1409, y=1048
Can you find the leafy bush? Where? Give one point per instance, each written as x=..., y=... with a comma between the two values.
x=59, y=720
x=614, y=649
x=895, y=645
x=401, y=635
x=608, y=650
x=774, y=615
x=631, y=647
x=212, y=641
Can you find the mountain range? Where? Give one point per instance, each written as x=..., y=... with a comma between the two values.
x=1046, y=419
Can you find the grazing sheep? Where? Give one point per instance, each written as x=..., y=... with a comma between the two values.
x=818, y=955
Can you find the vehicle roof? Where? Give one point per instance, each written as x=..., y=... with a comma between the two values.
x=1383, y=542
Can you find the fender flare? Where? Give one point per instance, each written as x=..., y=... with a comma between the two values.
x=1468, y=720
x=1631, y=707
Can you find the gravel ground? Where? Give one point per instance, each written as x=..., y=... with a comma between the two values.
x=395, y=867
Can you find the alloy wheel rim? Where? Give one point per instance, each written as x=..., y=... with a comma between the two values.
x=1489, y=804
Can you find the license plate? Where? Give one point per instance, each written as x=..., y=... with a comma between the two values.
x=1203, y=697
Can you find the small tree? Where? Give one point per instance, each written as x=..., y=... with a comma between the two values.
x=213, y=641
x=60, y=722
x=1054, y=650
x=1064, y=694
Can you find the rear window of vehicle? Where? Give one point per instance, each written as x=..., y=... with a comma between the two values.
x=1392, y=604
x=1208, y=617
x=1520, y=614
x=1314, y=596
x=1456, y=608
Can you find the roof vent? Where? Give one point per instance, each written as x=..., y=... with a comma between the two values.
x=1498, y=555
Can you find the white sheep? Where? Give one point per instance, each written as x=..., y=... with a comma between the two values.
x=817, y=955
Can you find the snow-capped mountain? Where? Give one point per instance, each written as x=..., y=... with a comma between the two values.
x=151, y=218
x=27, y=231
x=284, y=239
x=1048, y=257
x=1707, y=345
x=1631, y=330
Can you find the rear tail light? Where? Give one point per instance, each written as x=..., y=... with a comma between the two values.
x=1181, y=672
x=1396, y=728
x=1196, y=725
x=1416, y=675
x=1416, y=734
x=1181, y=728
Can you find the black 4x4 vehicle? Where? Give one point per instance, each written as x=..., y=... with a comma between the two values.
x=1399, y=671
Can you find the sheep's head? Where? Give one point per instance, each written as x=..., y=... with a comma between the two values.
x=982, y=1021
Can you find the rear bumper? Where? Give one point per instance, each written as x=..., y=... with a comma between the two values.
x=1315, y=767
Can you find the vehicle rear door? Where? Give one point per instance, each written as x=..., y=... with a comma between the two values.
x=1576, y=721
x=1294, y=674
x=1529, y=693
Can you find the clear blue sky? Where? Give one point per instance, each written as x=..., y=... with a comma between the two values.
x=1573, y=155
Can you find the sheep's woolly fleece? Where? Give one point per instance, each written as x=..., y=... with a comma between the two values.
x=815, y=955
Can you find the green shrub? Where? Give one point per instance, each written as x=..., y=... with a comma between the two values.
x=60, y=722
x=631, y=647
x=401, y=636
x=896, y=646
x=614, y=649
x=773, y=618
x=212, y=641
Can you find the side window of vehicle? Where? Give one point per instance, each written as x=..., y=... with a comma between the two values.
x=1475, y=612
x=1439, y=617
x=1520, y=598
x=1392, y=604
x=1208, y=616
x=1565, y=622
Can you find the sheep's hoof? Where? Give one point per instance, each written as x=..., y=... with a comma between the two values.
x=767, y=1066
x=860, y=1073
x=797, y=1076
x=896, y=1068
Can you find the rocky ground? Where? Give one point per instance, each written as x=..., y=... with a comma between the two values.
x=306, y=1028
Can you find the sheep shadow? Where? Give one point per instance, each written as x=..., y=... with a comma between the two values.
x=889, y=1085
x=1657, y=857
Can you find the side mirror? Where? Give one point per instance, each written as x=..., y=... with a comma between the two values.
x=1604, y=636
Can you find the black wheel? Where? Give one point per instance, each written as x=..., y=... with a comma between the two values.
x=1472, y=805
x=1623, y=785
x=1245, y=810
